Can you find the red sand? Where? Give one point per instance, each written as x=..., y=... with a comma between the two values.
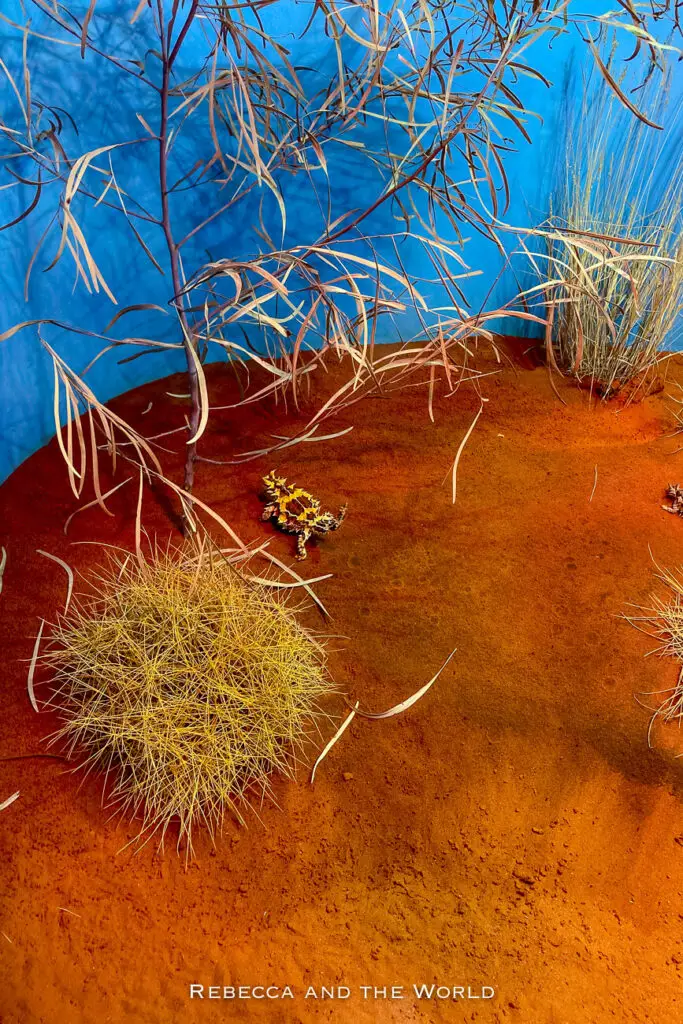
x=511, y=830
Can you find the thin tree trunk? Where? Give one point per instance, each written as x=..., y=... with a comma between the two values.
x=188, y=340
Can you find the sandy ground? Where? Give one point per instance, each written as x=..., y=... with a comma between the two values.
x=512, y=830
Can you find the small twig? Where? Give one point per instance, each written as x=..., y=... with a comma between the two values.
x=595, y=484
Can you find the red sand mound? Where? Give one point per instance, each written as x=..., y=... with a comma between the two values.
x=511, y=830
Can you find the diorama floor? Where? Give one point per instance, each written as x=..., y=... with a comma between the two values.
x=512, y=829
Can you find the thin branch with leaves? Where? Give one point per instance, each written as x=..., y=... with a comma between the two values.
x=419, y=102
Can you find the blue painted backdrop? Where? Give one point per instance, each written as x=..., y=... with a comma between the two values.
x=104, y=108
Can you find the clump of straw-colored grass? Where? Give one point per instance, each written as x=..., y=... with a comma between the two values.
x=614, y=300
x=663, y=621
x=187, y=682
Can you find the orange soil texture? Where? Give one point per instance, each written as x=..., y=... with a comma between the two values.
x=511, y=830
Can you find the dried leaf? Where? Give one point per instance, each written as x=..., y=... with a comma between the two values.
x=462, y=446
x=69, y=572
x=5, y=804
x=408, y=703
x=337, y=736
x=32, y=667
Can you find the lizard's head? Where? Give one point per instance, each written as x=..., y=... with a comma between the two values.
x=273, y=484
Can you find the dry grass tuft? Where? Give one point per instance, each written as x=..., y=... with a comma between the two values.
x=663, y=621
x=188, y=683
x=616, y=299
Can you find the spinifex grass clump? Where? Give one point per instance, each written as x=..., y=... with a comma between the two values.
x=187, y=682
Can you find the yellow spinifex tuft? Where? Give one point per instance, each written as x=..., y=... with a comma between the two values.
x=187, y=682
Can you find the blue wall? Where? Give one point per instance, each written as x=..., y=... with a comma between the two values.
x=104, y=106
